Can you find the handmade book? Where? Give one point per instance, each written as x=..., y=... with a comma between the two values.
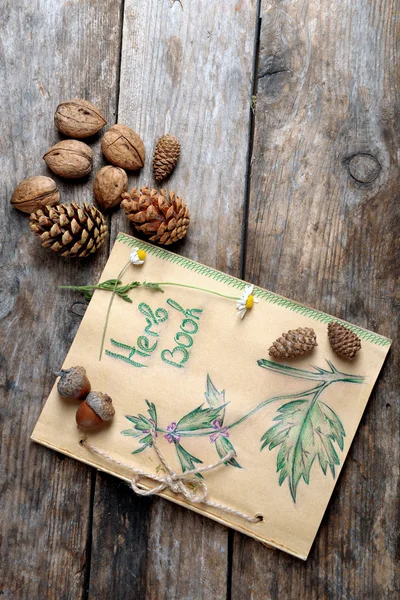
x=183, y=351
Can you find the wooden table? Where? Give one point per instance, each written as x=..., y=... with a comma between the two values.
x=288, y=114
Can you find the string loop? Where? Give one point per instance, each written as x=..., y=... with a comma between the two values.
x=185, y=484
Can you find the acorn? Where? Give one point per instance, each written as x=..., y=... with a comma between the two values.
x=95, y=411
x=73, y=383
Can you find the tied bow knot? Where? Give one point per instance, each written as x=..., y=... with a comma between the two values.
x=181, y=484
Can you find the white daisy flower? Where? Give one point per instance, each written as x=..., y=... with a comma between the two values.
x=246, y=301
x=137, y=256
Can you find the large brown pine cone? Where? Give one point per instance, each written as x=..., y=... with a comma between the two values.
x=293, y=343
x=69, y=229
x=343, y=341
x=166, y=155
x=165, y=218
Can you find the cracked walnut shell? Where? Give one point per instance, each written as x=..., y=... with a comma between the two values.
x=123, y=148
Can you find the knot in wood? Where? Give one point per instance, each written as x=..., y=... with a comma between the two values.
x=364, y=168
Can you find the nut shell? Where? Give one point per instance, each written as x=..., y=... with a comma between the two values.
x=70, y=159
x=108, y=186
x=35, y=192
x=123, y=147
x=95, y=411
x=87, y=419
x=73, y=383
x=78, y=118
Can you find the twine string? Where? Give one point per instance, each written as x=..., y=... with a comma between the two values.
x=181, y=484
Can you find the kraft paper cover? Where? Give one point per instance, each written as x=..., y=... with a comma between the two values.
x=290, y=423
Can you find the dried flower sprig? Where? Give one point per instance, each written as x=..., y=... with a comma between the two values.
x=112, y=285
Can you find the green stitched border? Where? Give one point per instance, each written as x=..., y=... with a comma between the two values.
x=186, y=263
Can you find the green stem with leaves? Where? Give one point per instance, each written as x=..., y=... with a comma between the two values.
x=324, y=377
x=115, y=286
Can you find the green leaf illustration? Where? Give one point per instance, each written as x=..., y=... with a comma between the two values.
x=214, y=398
x=152, y=412
x=140, y=422
x=131, y=433
x=223, y=446
x=146, y=442
x=306, y=429
x=199, y=418
x=187, y=460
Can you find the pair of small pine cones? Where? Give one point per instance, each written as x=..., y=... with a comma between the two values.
x=299, y=341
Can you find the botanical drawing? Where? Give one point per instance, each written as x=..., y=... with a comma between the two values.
x=305, y=428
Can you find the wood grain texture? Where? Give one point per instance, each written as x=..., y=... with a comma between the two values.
x=322, y=228
x=50, y=51
x=186, y=70
x=323, y=225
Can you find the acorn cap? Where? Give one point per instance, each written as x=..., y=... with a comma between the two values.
x=72, y=381
x=101, y=404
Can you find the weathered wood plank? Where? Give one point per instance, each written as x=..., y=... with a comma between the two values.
x=323, y=228
x=186, y=69
x=50, y=51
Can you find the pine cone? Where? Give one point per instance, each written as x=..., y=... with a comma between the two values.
x=70, y=229
x=343, y=341
x=165, y=218
x=293, y=343
x=166, y=156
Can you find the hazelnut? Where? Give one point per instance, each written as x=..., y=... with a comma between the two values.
x=34, y=193
x=69, y=159
x=73, y=383
x=78, y=118
x=95, y=411
x=108, y=186
x=123, y=147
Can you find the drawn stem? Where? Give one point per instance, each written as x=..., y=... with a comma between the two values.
x=109, y=307
x=251, y=413
x=315, y=391
x=265, y=402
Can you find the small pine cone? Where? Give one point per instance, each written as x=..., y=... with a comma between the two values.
x=343, y=341
x=165, y=218
x=70, y=229
x=293, y=343
x=166, y=155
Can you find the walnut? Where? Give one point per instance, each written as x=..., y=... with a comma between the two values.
x=35, y=192
x=123, y=147
x=69, y=159
x=108, y=186
x=78, y=118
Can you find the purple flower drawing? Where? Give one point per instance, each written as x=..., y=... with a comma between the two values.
x=172, y=436
x=219, y=431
